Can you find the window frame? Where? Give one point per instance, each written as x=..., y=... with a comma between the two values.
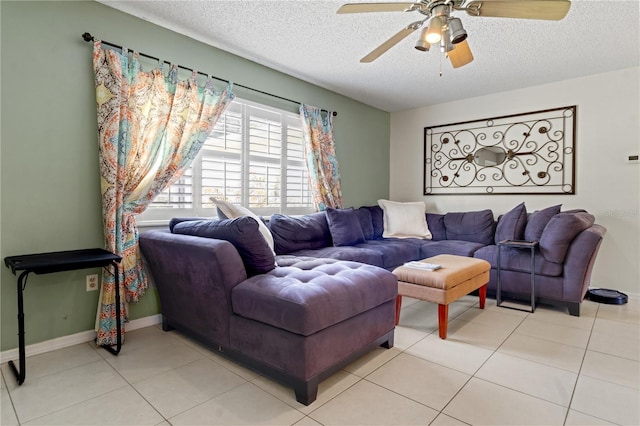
x=158, y=216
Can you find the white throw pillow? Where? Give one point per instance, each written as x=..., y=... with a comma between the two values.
x=404, y=220
x=233, y=211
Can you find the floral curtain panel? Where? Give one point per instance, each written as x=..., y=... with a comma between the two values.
x=321, y=158
x=150, y=128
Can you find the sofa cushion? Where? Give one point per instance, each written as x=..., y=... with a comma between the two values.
x=311, y=295
x=344, y=227
x=513, y=259
x=475, y=226
x=537, y=221
x=511, y=225
x=242, y=232
x=352, y=253
x=456, y=247
x=377, y=220
x=435, y=222
x=560, y=231
x=298, y=233
x=366, y=222
x=232, y=211
x=404, y=220
x=394, y=251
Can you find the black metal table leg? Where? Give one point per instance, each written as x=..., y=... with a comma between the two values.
x=499, y=283
x=531, y=245
x=22, y=372
x=533, y=279
x=116, y=351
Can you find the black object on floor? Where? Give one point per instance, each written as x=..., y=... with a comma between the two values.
x=605, y=295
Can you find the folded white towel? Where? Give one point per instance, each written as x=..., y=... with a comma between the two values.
x=423, y=266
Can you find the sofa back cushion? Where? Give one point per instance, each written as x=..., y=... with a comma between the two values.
x=291, y=233
x=560, y=232
x=477, y=227
x=366, y=222
x=242, y=232
x=344, y=227
x=377, y=221
x=511, y=225
x=435, y=222
x=537, y=222
x=176, y=220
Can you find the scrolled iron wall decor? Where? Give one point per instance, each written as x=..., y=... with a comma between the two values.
x=529, y=153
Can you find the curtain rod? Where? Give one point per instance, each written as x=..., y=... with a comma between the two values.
x=88, y=37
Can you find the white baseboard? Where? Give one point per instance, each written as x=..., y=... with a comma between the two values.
x=633, y=296
x=73, y=339
x=144, y=322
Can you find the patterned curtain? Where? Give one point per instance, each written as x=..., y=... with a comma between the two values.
x=321, y=158
x=150, y=128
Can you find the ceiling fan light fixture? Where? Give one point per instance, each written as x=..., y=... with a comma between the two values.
x=423, y=45
x=434, y=31
x=445, y=44
x=458, y=33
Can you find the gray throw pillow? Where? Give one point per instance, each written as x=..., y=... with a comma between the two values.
x=344, y=227
x=537, y=221
x=243, y=232
x=560, y=232
x=511, y=225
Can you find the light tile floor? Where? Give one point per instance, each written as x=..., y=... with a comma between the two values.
x=497, y=366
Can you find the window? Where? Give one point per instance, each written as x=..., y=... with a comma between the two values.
x=254, y=157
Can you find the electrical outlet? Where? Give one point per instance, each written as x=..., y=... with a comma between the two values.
x=92, y=282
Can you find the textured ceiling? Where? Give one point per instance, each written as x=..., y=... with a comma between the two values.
x=308, y=40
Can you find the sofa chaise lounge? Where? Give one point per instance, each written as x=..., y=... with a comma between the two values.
x=298, y=322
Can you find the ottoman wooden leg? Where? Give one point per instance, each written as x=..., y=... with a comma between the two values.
x=398, y=307
x=483, y=295
x=443, y=316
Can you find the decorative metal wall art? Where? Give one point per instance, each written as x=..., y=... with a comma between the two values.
x=529, y=153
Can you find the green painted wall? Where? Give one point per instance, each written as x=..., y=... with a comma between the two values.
x=50, y=192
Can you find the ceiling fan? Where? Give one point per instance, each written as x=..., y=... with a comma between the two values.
x=446, y=31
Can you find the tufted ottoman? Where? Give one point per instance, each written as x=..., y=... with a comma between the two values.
x=458, y=277
x=309, y=317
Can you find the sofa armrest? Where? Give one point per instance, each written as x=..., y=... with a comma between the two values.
x=578, y=264
x=194, y=277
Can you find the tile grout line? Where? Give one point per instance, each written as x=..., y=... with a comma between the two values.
x=584, y=355
x=581, y=375
x=402, y=351
x=101, y=359
x=478, y=369
x=13, y=406
x=204, y=356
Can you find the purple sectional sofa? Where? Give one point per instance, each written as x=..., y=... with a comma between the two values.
x=331, y=297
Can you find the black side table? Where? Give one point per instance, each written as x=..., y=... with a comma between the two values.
x=520, y=244
x=46, y=263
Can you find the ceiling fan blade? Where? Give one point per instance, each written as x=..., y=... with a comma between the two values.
x=374, y=7
x=460, y=55
x=552, y=10
x=399, y=36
